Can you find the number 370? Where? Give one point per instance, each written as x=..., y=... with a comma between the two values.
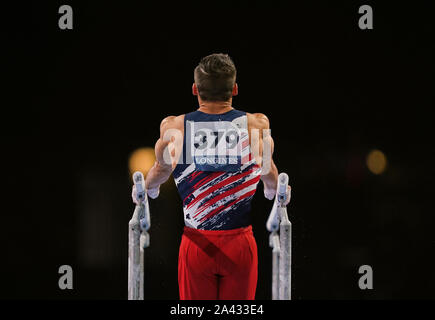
x=205, y=139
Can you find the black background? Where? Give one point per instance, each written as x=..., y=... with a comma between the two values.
x=77, y=102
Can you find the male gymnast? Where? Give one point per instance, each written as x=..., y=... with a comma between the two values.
x=215, y=155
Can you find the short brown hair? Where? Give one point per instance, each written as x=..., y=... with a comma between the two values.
x=215, y=76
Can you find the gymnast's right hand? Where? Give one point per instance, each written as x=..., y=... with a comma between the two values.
x=270, y=194
x=152, y=193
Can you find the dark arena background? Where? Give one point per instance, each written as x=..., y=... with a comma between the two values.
x=351, y=114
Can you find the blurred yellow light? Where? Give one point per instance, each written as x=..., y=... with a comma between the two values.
x=142, y=160
x=376, y=161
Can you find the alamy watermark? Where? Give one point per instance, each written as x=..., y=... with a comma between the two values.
x=366, y=20
x=66, y=19
x=366, y=280
x=66, y=280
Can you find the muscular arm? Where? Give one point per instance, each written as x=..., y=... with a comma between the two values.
x=265, y=157
x=270, y=174
x=270, y=179
x=166, y=149
x=160, y=172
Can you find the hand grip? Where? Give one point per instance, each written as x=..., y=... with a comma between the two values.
x=139, y=182
x=281, y=192
x=273, y=221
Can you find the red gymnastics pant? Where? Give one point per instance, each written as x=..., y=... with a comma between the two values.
x=217, y=264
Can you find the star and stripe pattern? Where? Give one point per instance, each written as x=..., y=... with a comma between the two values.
x=219, y=200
